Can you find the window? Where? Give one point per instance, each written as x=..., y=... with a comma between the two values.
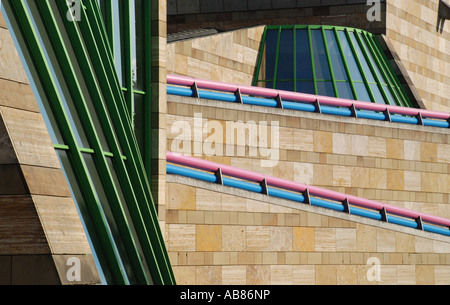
x=330, y=61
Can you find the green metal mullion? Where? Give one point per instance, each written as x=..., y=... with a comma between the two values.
x=382, y=68
x=312, y=59
x=107, y=12
x=330, y=65
x=372, y=68
x=260, y=57
x=393, y=81
x=276, y=59
x=148, y=102
x=344, y=60
x=118, y=162
x=125, y=30
x=358, y=62
x=294, y=52
x=103, y=62
x=100, y=159
x=75, y=156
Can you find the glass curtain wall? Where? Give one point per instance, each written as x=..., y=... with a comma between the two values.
x=330, y=61
x=86, y=64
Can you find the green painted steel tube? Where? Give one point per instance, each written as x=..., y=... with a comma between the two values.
x=100, y=160
x=108, y=251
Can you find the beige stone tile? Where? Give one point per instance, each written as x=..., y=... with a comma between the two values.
x=386, y=241
x=181, y=197
x=281, y=239
x=323, y=175
x=342, y=144
x=326, y=275
x=442, y=275
x=406, y=275
x=304, y=275
x=258, y=275
x=366, y=238
x=208, y=200
x=185, y=275
x=412, y=181
x=346, y=275
x=325, y=239
x=395, y=180
x=181, y=237
x=323, y=141
x=359, y=145
x=443, y=153
x=377, y=147
x=342, y=176
x=258, y=238
x=303, y=140
x=281, y=275
x=345, y=239
x=304, y=173
x=233, y=238
x=428, y=152
x=234, y=275
x=411, y=150
x=208, y=275
x=377, y=178
x=208, y=238
x=394, y=149
x=425, y=275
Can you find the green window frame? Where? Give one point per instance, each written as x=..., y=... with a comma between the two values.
x=89, y=116
x=328, y=60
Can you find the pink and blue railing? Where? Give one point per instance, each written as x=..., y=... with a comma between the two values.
x=208, y=171
x=191, y=87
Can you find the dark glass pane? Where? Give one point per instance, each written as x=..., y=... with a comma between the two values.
x=348, y=53
x=389, y=94
x=306, y=87
x=361, y=91
x=377, y=94
x=344, y=90
x=288, y=86
x=303, y=55
x=362, y=59
x=335, y=56
x=320, y=58
x=271, y=52
x=286, y=55
x=325, y=88
x=372, y=59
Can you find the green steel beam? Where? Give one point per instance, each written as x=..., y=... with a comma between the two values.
x=99, y=158
x=107, y=251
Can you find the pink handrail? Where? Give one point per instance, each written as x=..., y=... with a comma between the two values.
x=303, y=97
x=294, y=186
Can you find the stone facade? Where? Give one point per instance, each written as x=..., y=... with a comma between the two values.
x=401, y=165
x=423, y=46
x=228, y=57
x=215, y=236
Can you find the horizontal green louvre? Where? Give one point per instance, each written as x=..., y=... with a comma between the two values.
x=90, y=112
x=330, y=61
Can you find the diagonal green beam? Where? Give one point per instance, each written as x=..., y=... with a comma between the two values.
x=18, y=11
x=100, y=160
x=103, y=66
